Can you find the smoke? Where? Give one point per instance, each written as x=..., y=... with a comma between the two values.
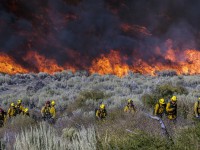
x=66, y=30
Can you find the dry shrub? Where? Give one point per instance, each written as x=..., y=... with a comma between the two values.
x=89, y=95
x=185, y=109
x=130, y=134
x=92, y=96
x=18, y=122
x=189, y=138
x=13, y=126
x=140, y=141
x=69, y=133
x=130, y=131
x=162, y=91
x=46, y=137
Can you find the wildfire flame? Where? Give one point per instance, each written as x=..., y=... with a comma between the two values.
x=185, y=62
x=43, y=64
x=8, y=65
x=76, y=31
x=192, y=64
x=110, y=64
x=113, y=64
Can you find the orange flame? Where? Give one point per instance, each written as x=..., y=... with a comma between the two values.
x=186, y=62
x=110, y=64
x=8, y=65
x=183, y=62
x=43, y=64
x=113, y=64
x=192, y=62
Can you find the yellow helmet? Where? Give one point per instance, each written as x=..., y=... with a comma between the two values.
x=102, y=106
x=26, y=110
x=53, y=103
x=174, y=98
x=162, y=101
x=129, y=100
x=19, y=101
x=199, y=98
x=12, y=104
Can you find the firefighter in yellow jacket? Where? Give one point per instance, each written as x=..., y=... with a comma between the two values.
x=197, y=108
x=19, y=107
x=11, y=111
x=26, y=112
x=130, y=107
x=101, y=113
x=46, y=115
x=53, y=110
x=172, y=108
x=160, y=108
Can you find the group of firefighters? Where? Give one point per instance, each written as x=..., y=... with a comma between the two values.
x=12, y=111
x=48, y=112
x=161, y=108
x=170, y=109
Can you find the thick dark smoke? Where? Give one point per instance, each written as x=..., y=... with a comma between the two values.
x=69, y=29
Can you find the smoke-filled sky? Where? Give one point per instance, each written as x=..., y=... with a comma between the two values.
x=78, y=31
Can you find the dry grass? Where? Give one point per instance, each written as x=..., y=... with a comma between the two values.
x=45, y=137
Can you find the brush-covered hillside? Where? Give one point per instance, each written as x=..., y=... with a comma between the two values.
x=78, y=95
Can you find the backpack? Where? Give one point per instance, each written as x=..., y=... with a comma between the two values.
x=18, y=109
x=47, y=114
x=159, y=108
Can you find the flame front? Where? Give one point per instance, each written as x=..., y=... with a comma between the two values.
x=112, y=63
x=8, y=65
x=183, y=62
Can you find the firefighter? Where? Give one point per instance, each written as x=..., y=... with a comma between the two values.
x=46, y=115
x=101, y=113
x=160, y=108
x=2, y=117
x=197, y=108
x=19, y=107
x=130, y=107
x=53, y=110
x=26, y=112
x=172, y=108
x=11, y=111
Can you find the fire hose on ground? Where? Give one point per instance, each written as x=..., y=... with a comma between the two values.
x=163, y=127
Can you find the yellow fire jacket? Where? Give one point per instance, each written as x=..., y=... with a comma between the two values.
x=53, y=111
x=11, y=112
x=197, y=108
x=159, y=109
x=171, y=111
x=130, y=109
